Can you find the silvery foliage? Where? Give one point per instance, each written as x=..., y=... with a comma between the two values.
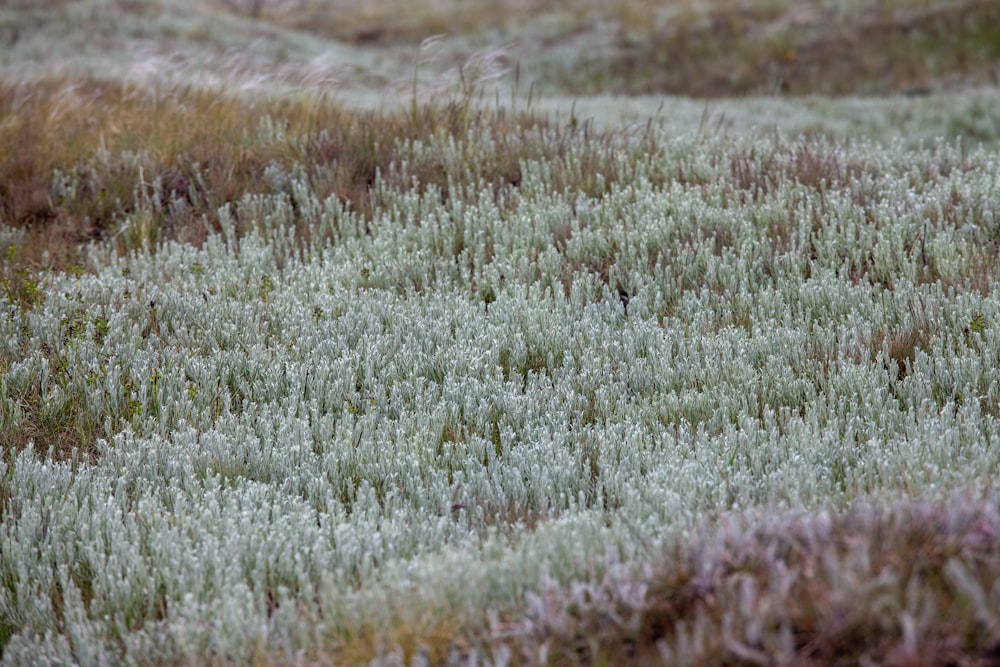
x=311, y=421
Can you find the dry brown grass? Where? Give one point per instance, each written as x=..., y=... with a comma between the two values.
x=113, y=143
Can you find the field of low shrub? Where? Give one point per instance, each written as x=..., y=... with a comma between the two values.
x=290, y=377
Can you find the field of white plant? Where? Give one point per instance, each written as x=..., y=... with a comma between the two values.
x=557, y=392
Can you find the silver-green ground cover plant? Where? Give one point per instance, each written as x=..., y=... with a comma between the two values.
x=460, y=401
x=652, y=394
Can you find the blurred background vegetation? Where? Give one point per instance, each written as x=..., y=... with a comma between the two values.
x=684, y=47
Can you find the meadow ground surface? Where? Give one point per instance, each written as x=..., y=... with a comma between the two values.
x=591, y=333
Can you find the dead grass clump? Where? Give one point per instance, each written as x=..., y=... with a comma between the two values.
x=899, y=350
